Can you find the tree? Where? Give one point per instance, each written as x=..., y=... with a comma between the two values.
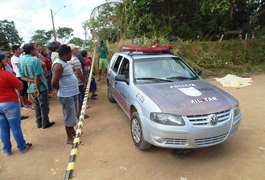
x=106, y=21
x=162, y=18
x=187, y=19
x=76, y=41
x=4, y=44
x=9, y=34
x=42, y=37
x=64, y=33
x=228, y=16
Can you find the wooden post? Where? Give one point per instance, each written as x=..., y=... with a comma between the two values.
x=222, y=36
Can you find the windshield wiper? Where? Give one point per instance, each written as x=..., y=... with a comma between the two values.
x=153, y=79
x=182, y=77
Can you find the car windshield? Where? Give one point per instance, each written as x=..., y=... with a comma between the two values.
x=163, y=69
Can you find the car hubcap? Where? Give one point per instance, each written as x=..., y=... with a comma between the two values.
x=136, y=130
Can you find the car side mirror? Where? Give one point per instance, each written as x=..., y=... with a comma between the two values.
x=122, y=78
x=199, y=72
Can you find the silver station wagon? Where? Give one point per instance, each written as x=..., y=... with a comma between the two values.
x=168, y=104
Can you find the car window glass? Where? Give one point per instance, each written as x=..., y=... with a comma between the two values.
x=182, y=69
x=124, y=69
x=117, y=63
x=162, y=68
x=112, y=61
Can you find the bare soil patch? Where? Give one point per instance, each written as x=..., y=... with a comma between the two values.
x=107, y=151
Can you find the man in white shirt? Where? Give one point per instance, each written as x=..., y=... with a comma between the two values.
x=15, y=60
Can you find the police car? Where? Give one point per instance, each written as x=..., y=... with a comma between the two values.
x=168, y=104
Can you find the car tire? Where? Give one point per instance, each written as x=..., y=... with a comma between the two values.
x=137, y=133
x=110, y=97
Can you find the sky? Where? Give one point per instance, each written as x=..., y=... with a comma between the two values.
x=30, y=15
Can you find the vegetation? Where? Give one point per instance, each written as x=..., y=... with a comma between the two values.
x=219, y=58
x=216, y=36
x=64, y=33
x=9, y=35
x=185, y=19
x=43, y=37
x=214, y=58
x=194, y=28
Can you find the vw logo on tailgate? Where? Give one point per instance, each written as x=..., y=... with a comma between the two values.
x=213, y=119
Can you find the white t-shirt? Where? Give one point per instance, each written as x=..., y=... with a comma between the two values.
x=15, y=63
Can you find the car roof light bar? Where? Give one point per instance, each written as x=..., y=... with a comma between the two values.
x=147, y=49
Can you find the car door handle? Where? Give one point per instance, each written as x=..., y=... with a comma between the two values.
x=123, y=96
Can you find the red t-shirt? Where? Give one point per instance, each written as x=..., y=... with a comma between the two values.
x=47, y=62
x=88, y=61
x=8, y=85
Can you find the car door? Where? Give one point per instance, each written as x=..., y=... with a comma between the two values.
x=121, y=87
x=112, y=72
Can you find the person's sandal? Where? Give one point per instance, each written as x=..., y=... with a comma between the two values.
x=27, y=148
x=69, y=141
x=24, y=117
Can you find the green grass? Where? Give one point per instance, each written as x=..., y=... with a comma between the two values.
x=238, y=57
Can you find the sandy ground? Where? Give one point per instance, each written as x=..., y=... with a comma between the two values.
x=107, y=151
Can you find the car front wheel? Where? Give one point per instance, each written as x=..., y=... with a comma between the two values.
x=137, y=133
x=110, y=97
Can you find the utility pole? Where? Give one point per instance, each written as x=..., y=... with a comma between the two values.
x=54, y=32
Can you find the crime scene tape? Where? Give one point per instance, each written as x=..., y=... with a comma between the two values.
x=77, y=139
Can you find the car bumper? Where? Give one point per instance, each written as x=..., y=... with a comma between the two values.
x=189, y=136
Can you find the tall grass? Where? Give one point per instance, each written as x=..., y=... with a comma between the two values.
x=237, y=57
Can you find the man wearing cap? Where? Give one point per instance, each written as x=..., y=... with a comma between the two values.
x=77, y=68
x=103, y=62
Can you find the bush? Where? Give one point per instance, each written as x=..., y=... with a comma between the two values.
x=220, y=58
x=238, y=57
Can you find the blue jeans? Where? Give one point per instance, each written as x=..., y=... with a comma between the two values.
x=49, y=80
x=82, y=91
x=10, y=119
x=42, y=109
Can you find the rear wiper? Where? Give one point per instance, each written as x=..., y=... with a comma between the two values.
x=153, y=79
x=182, y=77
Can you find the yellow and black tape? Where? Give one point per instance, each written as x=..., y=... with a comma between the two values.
x=73, y=155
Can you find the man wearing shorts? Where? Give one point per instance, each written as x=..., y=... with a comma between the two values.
x=66, y=84
x=103, y=62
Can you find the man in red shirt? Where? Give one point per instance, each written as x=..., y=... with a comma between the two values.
x=10, y=110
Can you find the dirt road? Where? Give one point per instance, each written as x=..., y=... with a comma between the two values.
x=107, y=151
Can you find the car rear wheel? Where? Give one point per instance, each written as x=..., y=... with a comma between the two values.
x=137, y=133
x=110, y=97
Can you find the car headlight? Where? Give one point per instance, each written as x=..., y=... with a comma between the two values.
x=236, y=111
x=167, y=119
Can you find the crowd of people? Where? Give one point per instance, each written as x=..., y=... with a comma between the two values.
x=31, y=74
